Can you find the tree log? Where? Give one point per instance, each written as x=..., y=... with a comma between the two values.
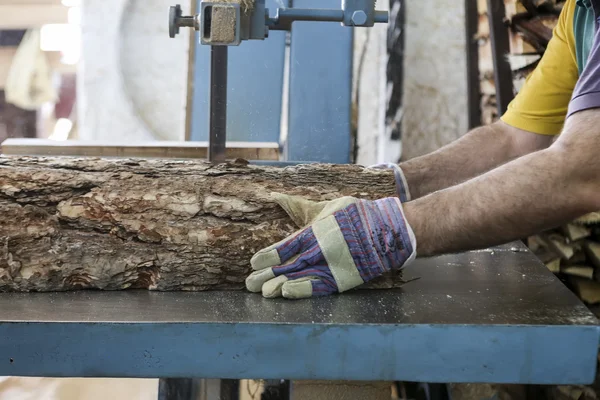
x=115, y=224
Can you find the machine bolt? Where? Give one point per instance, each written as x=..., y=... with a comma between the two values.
x=359, y=17
x=177, y=20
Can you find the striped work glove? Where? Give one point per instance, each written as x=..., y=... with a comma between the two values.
x=344, y=243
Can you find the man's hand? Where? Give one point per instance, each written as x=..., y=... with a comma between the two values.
x=348, y=242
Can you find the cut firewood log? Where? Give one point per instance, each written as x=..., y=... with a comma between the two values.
x=592, y=250
x=546, y=255
x=557, y=243
x=579, y=258
x=553, y=265
x=588, y=291
x=535, y=243
x=576, y=232
x=537, y=31
x=83, y=223
x=588, y=219
x=580, y=271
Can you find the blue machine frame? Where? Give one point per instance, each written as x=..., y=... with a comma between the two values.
x=319, y=95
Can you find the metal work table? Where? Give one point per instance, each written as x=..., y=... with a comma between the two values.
x=496, y=315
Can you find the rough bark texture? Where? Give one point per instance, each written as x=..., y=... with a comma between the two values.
x=69, y=224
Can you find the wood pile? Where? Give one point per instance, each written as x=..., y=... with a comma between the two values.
x=530, y=24
x=572, y=252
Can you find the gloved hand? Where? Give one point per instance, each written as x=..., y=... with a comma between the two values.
x=401, y=184
x=347, y=242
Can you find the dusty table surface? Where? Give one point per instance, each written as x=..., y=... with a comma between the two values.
x=495, y=315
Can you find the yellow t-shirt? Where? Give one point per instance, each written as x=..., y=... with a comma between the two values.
x=542, y=103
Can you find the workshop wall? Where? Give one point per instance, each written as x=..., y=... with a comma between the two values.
x=377, y=83
x=435, y=85
x=133, y=78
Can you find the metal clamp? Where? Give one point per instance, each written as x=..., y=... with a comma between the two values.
x=361, y=13
x=224, y=23
x=220, y=23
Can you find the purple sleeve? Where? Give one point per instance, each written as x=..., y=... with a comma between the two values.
x=587, y=90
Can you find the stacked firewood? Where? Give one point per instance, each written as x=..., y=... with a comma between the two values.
x=530, y=24
x=572, y=252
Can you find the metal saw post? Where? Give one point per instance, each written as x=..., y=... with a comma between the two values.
x=218, y=104
x=228, y=23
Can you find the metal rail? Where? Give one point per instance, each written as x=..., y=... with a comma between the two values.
x=218, y=104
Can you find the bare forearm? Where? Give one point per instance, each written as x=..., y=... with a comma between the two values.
x=477, y=152
x=525, y=196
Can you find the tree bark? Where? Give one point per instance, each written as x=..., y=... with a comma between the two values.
x=114, y=224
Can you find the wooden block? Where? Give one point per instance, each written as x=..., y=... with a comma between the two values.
x=571, y=392
x=557, y=243
x=575, y=232
x=487, y=87
x=335, y=390
x=580, y=271
x=588, y=291
x=518, y=84
x=470, y=391
x=518, y=61
x=157, y=149
x=588, y=219
x=535, y=243
x=482, y=6
x=592, y=250
x=547, y=255
x=579, y=258
x=483, y=26
x=554, y=265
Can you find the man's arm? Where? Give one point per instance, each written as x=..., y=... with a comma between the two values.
x=351, y=241
x=531, y=121
x=477, y=152
x=536, y=192
x=530, y=194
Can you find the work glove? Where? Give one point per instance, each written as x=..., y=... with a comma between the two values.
x=401, y=184
x=343, y=244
